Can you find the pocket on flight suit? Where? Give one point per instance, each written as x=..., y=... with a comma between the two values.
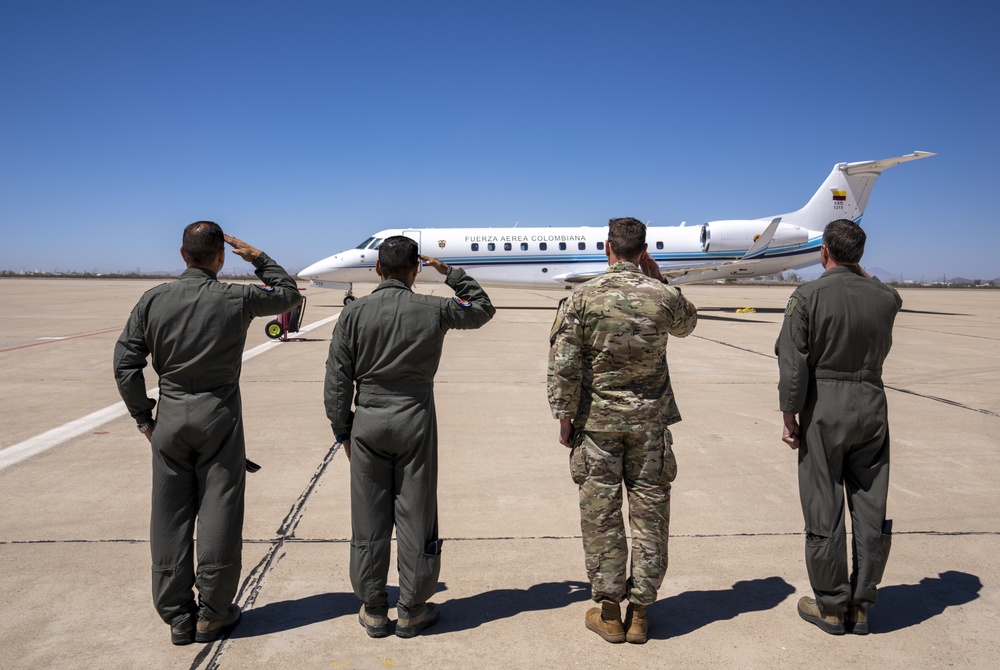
x=428, y=569
x=881, y=553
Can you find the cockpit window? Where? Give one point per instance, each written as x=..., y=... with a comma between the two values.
x=365, y=243
x=376, y=244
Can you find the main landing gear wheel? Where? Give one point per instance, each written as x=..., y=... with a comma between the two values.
x=349, y=297
x=274, y=329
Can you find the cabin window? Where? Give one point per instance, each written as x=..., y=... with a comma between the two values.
x=542, y=246
x=506, y=246
x=600, y=246
x=562, y=246
x=365, y=243
x=659, y=245
x=491, y=246
x=581, y=246
x=524, y=246
x=475, y=246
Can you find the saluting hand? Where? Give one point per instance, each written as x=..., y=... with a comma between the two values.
x=242, y=249
x=649, y=267
x=436, y=264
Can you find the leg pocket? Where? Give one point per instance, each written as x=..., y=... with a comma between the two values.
x=578, y=464
x=669, y=463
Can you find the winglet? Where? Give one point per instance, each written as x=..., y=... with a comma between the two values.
x=761, y=243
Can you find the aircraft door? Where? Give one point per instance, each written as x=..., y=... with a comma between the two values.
x=415, y=236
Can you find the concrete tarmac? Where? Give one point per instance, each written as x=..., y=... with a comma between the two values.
x=75, y=577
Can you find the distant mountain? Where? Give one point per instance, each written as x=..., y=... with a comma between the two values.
x=887, y=275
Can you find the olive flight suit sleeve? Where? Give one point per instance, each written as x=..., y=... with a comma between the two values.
x=566, y=361
x=281, y=294
x=470, y=308
x=792, y=349
x=338, y=389
x=131, y=352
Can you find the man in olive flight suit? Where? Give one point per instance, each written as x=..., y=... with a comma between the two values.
x=194, y=330
x=836, y=333
x=609, y=386
x=383, y=356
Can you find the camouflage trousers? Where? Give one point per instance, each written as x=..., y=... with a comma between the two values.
x=600, y=462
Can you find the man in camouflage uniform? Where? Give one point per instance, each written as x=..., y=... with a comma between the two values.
x=609, y=386
x=836, y=333
x=383, y=357
x=194, y=330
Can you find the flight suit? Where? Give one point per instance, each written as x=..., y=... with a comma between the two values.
x=383, y=356
x=835, y=336
x=194, y=330
x=608, y=374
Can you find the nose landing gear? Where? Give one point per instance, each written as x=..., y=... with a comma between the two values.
x=349, y=296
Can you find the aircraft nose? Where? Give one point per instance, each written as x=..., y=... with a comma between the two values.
x=318, y=269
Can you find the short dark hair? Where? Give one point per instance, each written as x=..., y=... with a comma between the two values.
x=397, y=255
x=845, y=241
x=202, y=242
x=627, y=237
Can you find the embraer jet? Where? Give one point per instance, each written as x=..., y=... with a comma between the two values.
x=564, y=257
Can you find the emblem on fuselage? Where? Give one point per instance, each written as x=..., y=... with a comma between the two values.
x=441, y=244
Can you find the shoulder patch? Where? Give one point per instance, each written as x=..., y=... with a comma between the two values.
x=792, y=302
x=462, y=303
x=264, y=288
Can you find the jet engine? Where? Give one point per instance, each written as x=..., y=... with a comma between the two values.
x=722, y=236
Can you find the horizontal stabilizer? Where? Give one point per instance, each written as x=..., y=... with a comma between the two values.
x=878, y=166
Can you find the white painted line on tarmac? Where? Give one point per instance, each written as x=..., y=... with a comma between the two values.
x=52, y=438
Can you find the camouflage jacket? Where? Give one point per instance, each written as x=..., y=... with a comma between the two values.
x=608, y=354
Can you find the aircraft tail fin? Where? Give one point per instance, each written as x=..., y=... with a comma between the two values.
x=844, y=194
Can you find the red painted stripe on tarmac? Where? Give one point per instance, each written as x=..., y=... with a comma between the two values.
x=62, y=339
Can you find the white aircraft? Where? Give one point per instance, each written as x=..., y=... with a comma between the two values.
x=563, y=256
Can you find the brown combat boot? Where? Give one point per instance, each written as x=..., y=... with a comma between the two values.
x=636, y=624
x=857, y=620
x=830, y=623
x=606, y=621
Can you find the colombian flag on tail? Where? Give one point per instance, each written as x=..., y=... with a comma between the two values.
x=838, y=195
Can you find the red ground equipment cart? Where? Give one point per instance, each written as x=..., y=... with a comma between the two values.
x=289, y=322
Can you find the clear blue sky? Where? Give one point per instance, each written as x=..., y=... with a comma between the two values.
x=304, y=126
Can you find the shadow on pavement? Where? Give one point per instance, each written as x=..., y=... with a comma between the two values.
x=907, y=605
x=687, y=612
x=474, y=611
x=289, y=614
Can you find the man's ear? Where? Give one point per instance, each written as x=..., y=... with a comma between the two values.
x=183, y=255
x=378, y=270
x=607, y=248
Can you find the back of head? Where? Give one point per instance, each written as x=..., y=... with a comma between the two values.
x=203, y=240
x=627, y=237
x=397, y=255
x=845, y=240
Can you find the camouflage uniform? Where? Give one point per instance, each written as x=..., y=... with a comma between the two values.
x=836, y=334
x=608, y=374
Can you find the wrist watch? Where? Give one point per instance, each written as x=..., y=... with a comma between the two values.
x=341, y=438
x=144, y=428
x=447, y=273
